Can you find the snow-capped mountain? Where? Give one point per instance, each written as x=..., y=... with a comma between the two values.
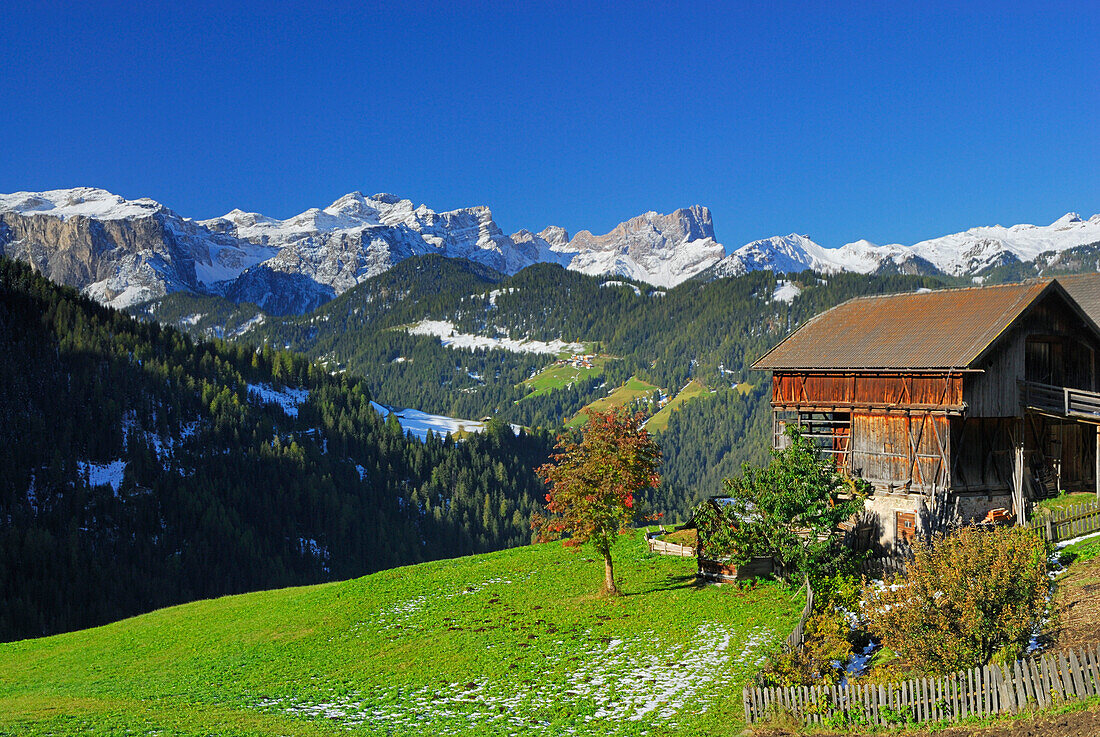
x=969, y=253
x=358, y=237
x=662, y=250
x=123, y=252
x=118, y=251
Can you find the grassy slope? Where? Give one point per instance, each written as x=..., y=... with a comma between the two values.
x=634, y=388
x=559, y=377
x=693, y=390
x=1066, y=500
x=504, y=643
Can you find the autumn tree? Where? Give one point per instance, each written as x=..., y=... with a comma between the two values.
x=594, y=483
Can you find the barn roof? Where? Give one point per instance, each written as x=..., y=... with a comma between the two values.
x=1085, y=290
x=947, y=328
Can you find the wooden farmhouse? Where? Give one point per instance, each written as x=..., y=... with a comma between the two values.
x=951, y=403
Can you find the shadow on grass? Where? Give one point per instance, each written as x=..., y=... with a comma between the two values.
x=674, y=582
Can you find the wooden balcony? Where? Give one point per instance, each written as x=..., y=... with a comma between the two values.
x=1060, y=401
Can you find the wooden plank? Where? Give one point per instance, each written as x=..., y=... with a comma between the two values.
x=1057, y=691
x=926, y=702
x=974, y=684
x=1019, y=693
x=1071, y=683
x=1092, y=669
x=1037, y=683
x=1079, y=688
x=1023, y=678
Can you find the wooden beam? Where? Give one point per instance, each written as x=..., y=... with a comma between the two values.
x=1018, y=474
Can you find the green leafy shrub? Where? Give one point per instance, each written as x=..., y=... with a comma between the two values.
x=789, y=510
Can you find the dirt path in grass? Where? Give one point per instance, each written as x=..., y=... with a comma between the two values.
x=1077, y=724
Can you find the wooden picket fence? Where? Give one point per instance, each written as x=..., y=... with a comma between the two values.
x=1040, y=681
x=1068, y=523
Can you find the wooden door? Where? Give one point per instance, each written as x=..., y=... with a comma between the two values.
x=906, y=526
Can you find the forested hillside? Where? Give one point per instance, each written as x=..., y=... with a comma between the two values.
x=703, y=330
x=140, y=468
x=709, y=331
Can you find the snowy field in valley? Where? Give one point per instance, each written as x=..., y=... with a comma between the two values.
x=449, y=337
x=419, y=423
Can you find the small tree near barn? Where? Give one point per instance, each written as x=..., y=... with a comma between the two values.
x=594, y=484
x=966, y=599
x=789, y=510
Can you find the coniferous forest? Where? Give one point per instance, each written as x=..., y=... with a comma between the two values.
x=141, y=468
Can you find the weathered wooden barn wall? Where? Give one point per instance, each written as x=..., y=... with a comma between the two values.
x=901, y=451
x=994, y=391
x=983, y=453
x=1069, y=447
x=877, y=389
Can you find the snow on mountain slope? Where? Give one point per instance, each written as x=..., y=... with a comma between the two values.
x=122, y=252
x=662, y=250
x=358, y=237
x=958, y=254
x=973, y=250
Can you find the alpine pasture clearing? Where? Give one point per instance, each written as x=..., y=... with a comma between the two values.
x=693, y=390
x=559, y=376
x=634, y=388
x=507, y=643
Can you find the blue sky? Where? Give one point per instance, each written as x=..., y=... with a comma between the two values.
x=889, y=121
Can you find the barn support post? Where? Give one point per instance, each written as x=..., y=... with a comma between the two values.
x=1018, y=476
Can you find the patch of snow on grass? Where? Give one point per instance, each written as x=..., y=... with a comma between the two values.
x=609, y=684
x=445, y=331
x=288, y=399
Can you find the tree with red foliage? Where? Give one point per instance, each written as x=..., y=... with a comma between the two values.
x=594, y=483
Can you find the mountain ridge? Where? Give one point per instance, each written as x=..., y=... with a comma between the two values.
x=123, y=252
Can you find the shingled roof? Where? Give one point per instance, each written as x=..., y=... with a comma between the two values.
x=947, y=328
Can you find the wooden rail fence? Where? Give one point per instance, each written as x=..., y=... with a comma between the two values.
x=1040, y=681
x=1066, y=524
x=795, y=639
x=666, y=548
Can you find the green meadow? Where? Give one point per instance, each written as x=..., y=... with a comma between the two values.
x=508, y=643
x=693, y=390
x=634, y=388
x=561, y=376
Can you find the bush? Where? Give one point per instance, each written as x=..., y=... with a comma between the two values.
x=967, y=599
